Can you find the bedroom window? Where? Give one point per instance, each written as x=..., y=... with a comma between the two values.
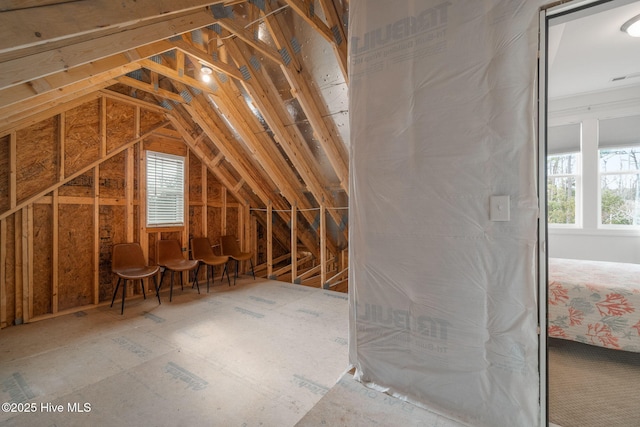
x=165, y=190
x=619, y=169
x=563, y=175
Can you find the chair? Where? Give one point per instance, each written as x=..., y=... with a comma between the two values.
x=128, y=263
x=201, y=251
x=170, y=257
x=230, y=247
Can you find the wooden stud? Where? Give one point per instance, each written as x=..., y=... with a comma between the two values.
x=3, y=273
x=204, y=195
x=294, y=241
x=323, y=244
x=27, y=250
x=269, y=239
x=129, y=175
x=223, y=219
x=21, y=270
x=18, y=224
x=61, y=144
x=103, y=127
x=96, y=234
x=55, y=255
x=13, y=170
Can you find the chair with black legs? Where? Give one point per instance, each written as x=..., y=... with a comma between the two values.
x=230, y=247
x=170, y=258
x=201, y=251
x=127, y=262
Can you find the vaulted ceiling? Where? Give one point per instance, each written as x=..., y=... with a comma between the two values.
x=272, y=123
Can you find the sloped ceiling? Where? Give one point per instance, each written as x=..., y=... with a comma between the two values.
x=272, y=122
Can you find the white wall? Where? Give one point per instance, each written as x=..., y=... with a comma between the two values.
x=590, y=241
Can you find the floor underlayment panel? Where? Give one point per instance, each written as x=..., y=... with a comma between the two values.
x=350, y=403
x=260, y=353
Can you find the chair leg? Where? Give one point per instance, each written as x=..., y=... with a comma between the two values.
x=213, y=273
x=236, y=275
x=164, y=270
x=124, y=292
x=144, y=294
x=155, y=283
x=171, y=288
x=197, y=270
x=115, y=291
x=197, y=284
x=226, y=270
x=252, y=270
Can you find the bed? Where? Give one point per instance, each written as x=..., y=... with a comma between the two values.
x=595, y=302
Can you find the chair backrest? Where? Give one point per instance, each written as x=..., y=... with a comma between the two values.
x=229, y=245
x=169, y=250
x=201, y=248
x=127, y=256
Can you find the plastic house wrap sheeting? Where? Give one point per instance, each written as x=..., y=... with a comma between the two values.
x=442, y=299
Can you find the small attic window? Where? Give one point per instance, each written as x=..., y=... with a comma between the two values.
x=165, y=190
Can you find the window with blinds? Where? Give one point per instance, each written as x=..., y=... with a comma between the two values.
x=165, y=190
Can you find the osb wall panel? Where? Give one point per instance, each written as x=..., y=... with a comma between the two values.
x=112, y=181
x=81, y=186
x=75, y=271
x=195, y=222
x=121, y=124
x=152, y=249
x=37, y=157
x=5, y=203
x=42, y=258
x=214, y=189
x=195, y=178
x=112, y=231
x=10, y=270
x=232, y=221
x=214, y=225
x=82, y=136
x=177, y=235
x=149, y=120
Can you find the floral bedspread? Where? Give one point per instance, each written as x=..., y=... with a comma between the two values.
x=595, y=302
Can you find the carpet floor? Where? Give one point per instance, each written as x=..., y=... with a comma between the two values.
x=593, y=386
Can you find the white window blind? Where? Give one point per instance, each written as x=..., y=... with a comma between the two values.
x=564, y=139
x=619, y=132
x=165, y=189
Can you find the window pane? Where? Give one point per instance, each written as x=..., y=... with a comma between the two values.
x=564, y=164
x=620, y=199
x=620, y=160
x=561, y=200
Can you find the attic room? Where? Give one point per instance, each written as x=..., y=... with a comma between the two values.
x=381, y=170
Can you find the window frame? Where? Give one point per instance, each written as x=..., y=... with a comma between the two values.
x=153, y=217
x=619, y=172
x=577, y=175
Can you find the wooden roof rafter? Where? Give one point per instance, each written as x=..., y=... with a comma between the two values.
x=277, y=116
x=311, y=103
x=263, y=149
x=239, y=161
x=332, y=33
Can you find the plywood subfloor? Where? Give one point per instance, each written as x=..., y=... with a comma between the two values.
x=259, y=353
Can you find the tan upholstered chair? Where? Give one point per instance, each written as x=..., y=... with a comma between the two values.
x=127, y=262
x=229, y=245
x=201, y=251
x=170, y=257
